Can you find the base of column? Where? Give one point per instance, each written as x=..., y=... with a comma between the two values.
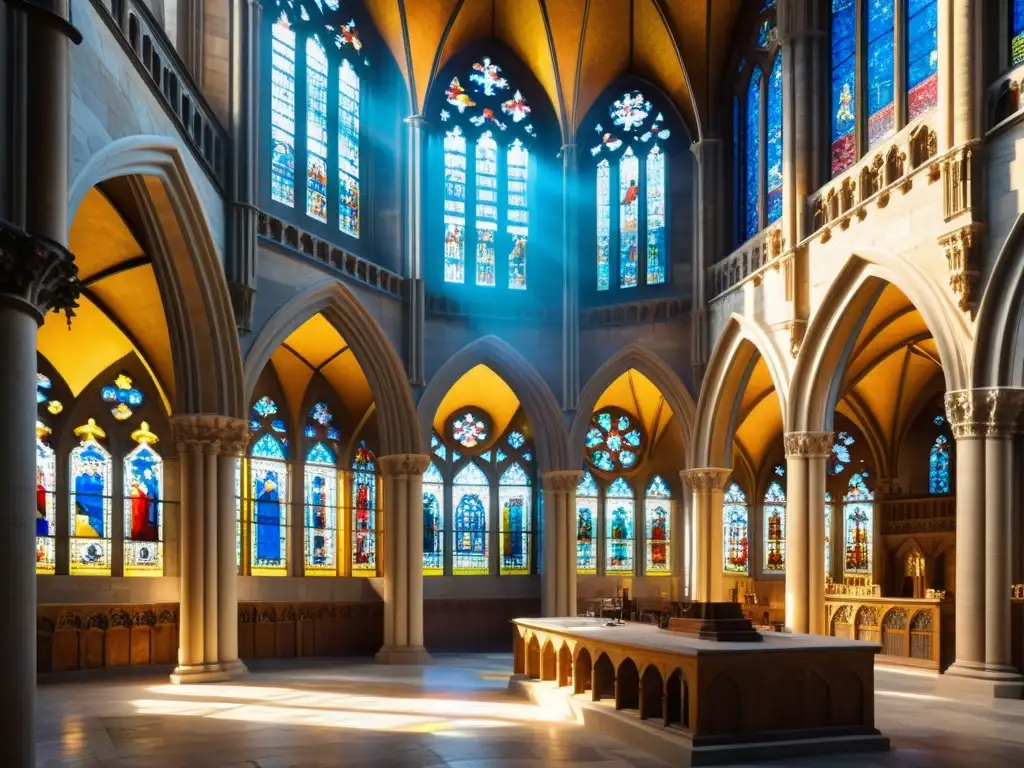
x=187, y=674
x=990, y=682
x=394, y=654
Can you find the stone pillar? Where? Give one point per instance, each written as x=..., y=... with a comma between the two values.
x=805, y=530
x=241, y=259
x=707, y=485
x=208, y=616
x=558, y=574
x=415, y=126
x=966, y=68
x=402, y=553
x=708, y=242
x=570, y=280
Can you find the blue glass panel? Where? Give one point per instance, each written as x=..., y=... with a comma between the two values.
x=844, y=85
x=267, y=447
x=1017, y=34
x=938, y=466
x=316, y=130
x=629, y=217
x=604, y=226
x=774, y=149
x=348, y=150
x=655, y=217
x=752, y=157
x=880, y=60
x=922, y=57
x=454, y=206
x=282, y=114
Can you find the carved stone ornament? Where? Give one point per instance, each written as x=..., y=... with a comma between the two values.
x=992, y=412
x=962, y=251
x=706, y=479
x=807, y=445
x=37, y=273
x=403, y=464
x=562, y=481
x=209, y=434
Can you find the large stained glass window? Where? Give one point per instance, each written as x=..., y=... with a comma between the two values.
x=316, y=130
x=348, y=149
x=604, y=226
x=922, y=56
x=143, y=516
x=46, y=502
x=828, y=532
x=619, y=523
x=773, y=150
x=775, y=529
x=518, y=165
x=320, y=492
x=282, y=113
x=629, y=218
x=586, y=524
x=455, y=206
x=91, y=489
x=734, y=530
x=268, y=471
x=737, y=178
x=514, y=501
x=938, y=466
x=858, y=514
x=880, y=63
x=844, y=84
x=614, y=441
x=433, y=521
x=752, y=158
x=486, y=206
x=1017, y=33
x=364, y=512
x=655, y=216
x=471, y=501
x=657, y=527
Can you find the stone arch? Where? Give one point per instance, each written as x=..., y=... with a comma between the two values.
x=832, y=334
x=654, y=368
x=201, y=324
x=533, y=658
x=395, y=408
x=677, y=699
x=652, y=694
x=564, y=665
x=999, y=357
x=547, y=661
x=604, y=677
x=538, y=402
x=627, y=685
x=738, y=349
x=583, y=670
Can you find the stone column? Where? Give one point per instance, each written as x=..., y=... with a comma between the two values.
x=964, y=39
x=208, y=615
x=707, y=485
x=402, y=553
x=570, y=280
x=805, y=529
x=558, y=575
x=414, y=246
x=241, y=258
x=708, y=242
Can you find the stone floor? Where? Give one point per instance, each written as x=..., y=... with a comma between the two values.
x=452, y=713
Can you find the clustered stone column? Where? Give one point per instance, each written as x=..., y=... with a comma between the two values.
x=207, y=447
x=984, y=424
x=707, y=485
x=403, y=558
x=559, y=546
x=805, y=530
x=414, y=247
x=708, y=242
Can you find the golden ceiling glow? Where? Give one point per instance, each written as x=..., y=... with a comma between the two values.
x=759, y=422
x=481, y=387
x=99, y=237
x=636, y=394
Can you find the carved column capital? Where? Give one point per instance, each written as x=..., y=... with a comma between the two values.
x=209, y=434
x=404, y=464
x=807, y=445
x=963, y=250
x=992, y=412
x=706, y=479
x=561, y=481
x=37, y=273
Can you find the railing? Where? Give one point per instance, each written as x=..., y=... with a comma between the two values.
x=909, y=631
x=145, y=41
x=749, y=260
x=636, y=312
x=930, y=514
x=288, y=235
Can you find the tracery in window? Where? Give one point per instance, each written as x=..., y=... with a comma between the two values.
x=879, y=21
x=775, y=529
x=471, y=495
x=657, y=524
x=514, y=501
x=586, y=524
x=844, y=85
x=773, y=149
x=122, y=395
x=364, y=512
x=90, y=503
x=938, y=466
x=433, y=521
x=922, y=65
x=620, y=511
x=858, y=506
x=735, y=530
x=143, y=516
x=839, y=457
x=614, y=440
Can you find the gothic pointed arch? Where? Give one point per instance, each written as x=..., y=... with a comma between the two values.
x=999, y=359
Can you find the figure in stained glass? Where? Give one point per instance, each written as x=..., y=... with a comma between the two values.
x=880, y=64
x=655, y=216
x=858, y=508
x=775, y=528
x=487, y=76
x=629, y=218
x=454, y=205
x=268, y=473
x=604, y=225
x=734, y=539
x=620, y=526
x=143, y=471
x=46, y=502
x=433, y=521
x=91, y=502
x=364, y=522
x=348, y=149
x=938, y=466
x=773, y=150
x=282, y=117
x=844, y=86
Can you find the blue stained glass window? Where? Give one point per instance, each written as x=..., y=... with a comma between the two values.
x=470, y=500
x=1017, y=34
x=122, y=394
x=844, y=85
x=880, y=63
x=282, y=109
x=486, y=206
x=264, y=407
x=316, y=130
x=620, y=507
x=46, y=503
x=90, y=504
x=514, y=501
x=629, y=218
x=454, y=206
x=433, y=522
x=143, y=521
x=586, y=520
x=775, y=529
x=858, y=506
x=655, y=216
x=752, y=158
x=348, y=150
x=735, y=543
x=922, y=57
x=364, y=511
x=516, y=439
x=604, y=226
x=938, y=466
x=737, y=171
x=774, y=148
x=321, y=489
x=269, y=479
x=518, y=170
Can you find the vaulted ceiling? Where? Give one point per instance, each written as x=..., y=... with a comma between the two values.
x=575, y=48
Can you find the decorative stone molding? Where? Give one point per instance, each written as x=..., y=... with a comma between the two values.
x=984, y=412
x=807, y=445
x=561, y=481
x=706, y=479
x=37, y=272
x=797, y=329
x=404, y=464
x=209, y=434
x=957, y=176
x=963, y=250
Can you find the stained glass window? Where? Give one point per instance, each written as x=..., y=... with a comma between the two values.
x=348, y=149
x=282, y=113
x=775, y=529
x=46, y=502
x=90, y=505
x=629, y=218
x=518, y=164
x=839, y=458
x=734, y=533
x=122, y=395
x=858, y=506
x=240, y=469
x=613, y=442
x=938, y=466
x=486, y=206
x=604, y=226
x=844, y=85
x=268, y=474
x=922, y=57
x=752, y=158
x=514, y=500
x=433, y=521
x=657, y=527
x=471, y=496
x=316, y=130
x=773, y=151
x=516, y=439
x=586, y=523
x=469, y=430
x=880, y=63
x=828, y=532
x=619, y=514
x=737, y=177
x=655, y=216
x=1017, y=33
x=143, y=517
x=364, y=512
x=454, y=206
x=320, y=492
